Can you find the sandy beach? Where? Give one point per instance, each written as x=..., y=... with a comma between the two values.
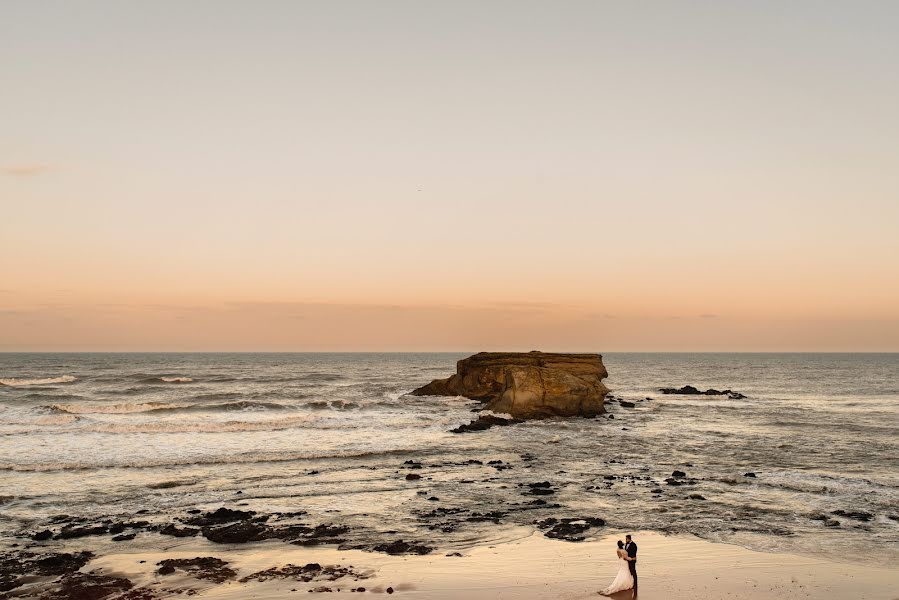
x=670, y=567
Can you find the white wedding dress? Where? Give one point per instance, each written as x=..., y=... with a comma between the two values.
x=623, y=579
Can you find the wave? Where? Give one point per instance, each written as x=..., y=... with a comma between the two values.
x=157, y=407
x=114, y=409
x=248, y=458
x=39, y=420
x=319, y=377
x=42, y=396
x=227, y=407
x=167, y=379
x=44, y=381
x=198, y=426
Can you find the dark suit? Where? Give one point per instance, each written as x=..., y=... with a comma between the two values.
x=631, y=549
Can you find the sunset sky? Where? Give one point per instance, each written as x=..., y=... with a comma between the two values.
x=415, y=175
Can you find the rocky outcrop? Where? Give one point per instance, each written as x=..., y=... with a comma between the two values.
x=528, y=385
x=689, y=390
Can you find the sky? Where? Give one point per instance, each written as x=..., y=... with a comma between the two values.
x=468, y=175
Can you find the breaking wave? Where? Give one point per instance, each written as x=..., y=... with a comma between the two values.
x=45, y=381
x=248, y=458
x=199, y=426
x=114, y=409
x=158, y=407
x=168, y=379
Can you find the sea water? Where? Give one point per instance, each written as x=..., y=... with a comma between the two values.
x=100, y=435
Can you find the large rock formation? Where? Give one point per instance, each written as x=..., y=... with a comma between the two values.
x=528, y=385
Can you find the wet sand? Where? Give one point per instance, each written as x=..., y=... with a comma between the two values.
x=670, y=568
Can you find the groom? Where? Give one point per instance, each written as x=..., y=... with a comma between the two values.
x=631, y=549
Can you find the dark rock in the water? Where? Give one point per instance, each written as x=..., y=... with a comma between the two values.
x=626, y=404
x=858, y=515
x=124, y=537
x=655, y=491
x=750, y=474
x=220, y=516
x=206, y=567
x=531, y=385
x=238, y=533
x=71, y=532
x=40, y=536
x=401, y=547
x=679, y=474
x=831, y=523
x=689, y=390
x=412, y=476
x=485, y=422
x=696, y=497
x=179, y=532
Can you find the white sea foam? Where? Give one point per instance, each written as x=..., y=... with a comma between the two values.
x=45, y=381
x=199, y=426
x=176, y=379
x=115, y=409
x=246, y=458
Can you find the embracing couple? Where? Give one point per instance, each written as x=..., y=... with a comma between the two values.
x=626, y=578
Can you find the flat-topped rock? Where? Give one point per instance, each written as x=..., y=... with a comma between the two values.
x=528, y=385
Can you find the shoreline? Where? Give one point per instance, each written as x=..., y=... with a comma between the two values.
x=533, y=566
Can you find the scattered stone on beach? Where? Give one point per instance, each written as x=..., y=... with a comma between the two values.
x=206, y=567
x=485, y=422
x=124, y=537
x=689, y=390
x=569, y=529
x=528, y=385
x=401, y=547
x=88, y=586
x=16, y=566
x=307, y=573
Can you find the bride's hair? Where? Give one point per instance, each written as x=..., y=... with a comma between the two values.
x=620, y=544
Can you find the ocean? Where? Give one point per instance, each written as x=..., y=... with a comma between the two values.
x=108, y=435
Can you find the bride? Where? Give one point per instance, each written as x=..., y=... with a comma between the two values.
x=623, y=580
